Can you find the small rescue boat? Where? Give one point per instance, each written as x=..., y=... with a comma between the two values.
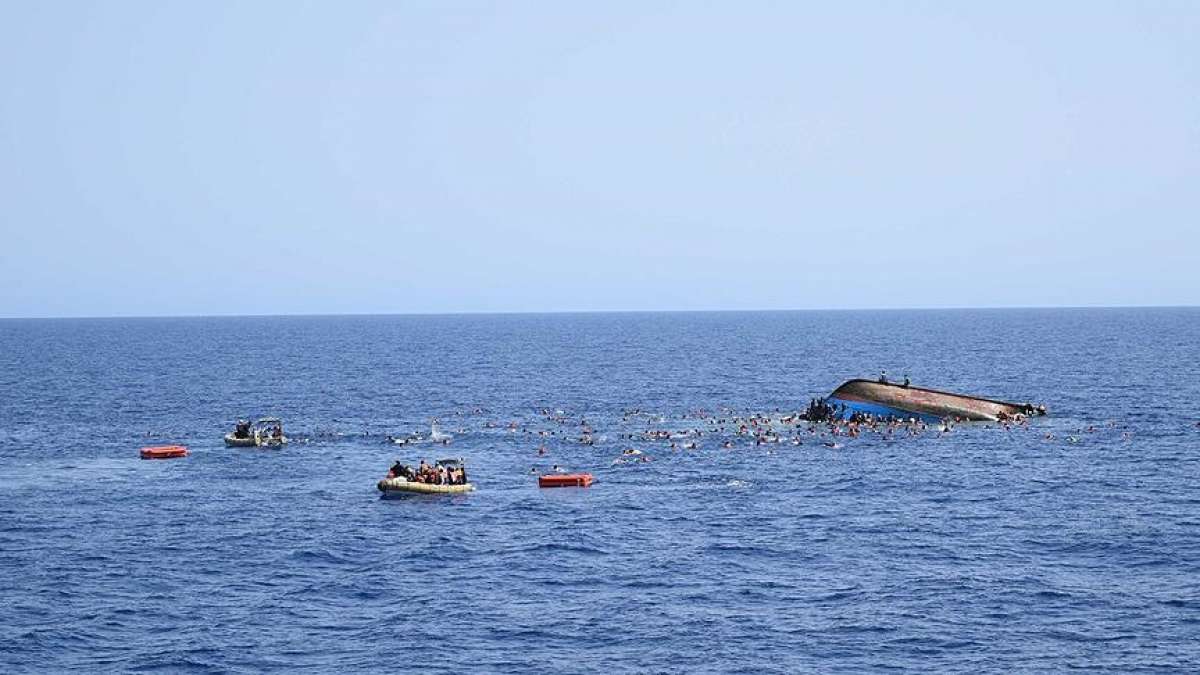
x=565, y=480
x=232, y=440
x=395, y=485
x=164, y=452
x=265, y=433
x=398, y=487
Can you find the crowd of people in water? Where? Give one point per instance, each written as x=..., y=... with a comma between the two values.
x=640, y=433
x=820, y=410
x=636, y=434
x=430, y=474
x=822, y=423
x=633, y=435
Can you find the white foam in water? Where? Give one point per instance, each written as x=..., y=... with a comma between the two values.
x=436, y=434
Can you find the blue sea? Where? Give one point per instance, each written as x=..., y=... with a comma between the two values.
x=1072, y=543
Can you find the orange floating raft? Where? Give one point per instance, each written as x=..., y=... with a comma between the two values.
x=164, y=452
x=565, y=480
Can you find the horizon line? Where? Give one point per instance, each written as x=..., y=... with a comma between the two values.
x=581, y=311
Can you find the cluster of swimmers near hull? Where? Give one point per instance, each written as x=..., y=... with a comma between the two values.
x=820, y=410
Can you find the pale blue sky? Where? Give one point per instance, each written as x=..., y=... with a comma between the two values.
x=289, y=157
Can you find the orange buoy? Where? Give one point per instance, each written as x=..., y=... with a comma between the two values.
x=164, y=452
x=565, y=480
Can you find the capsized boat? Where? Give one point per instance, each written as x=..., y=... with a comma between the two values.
x=887, y=399
x=399, y=486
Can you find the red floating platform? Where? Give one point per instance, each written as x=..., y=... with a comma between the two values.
x=565, y=480
x=164, y=452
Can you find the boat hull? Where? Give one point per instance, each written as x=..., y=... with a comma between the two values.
x=232, y=441
x=393, y=488
x=894, y=400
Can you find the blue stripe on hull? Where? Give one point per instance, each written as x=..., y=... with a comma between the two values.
x=878, y=410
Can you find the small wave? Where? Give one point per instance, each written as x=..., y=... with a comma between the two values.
x=310, y=556
x=1179, y=602
x=556, y=547
x=1073, y=636
x=1052, y=595
x=838, y=595
x=860, y=628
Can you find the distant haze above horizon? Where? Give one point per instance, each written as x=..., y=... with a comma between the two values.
x=227, y=158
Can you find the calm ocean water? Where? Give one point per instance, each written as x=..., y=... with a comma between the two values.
x=981, y=549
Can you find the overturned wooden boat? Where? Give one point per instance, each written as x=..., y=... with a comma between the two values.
x=903, y=401
x=399, y=487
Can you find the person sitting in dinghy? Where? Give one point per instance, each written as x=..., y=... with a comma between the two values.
x=242, y=430
x=399, y=470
